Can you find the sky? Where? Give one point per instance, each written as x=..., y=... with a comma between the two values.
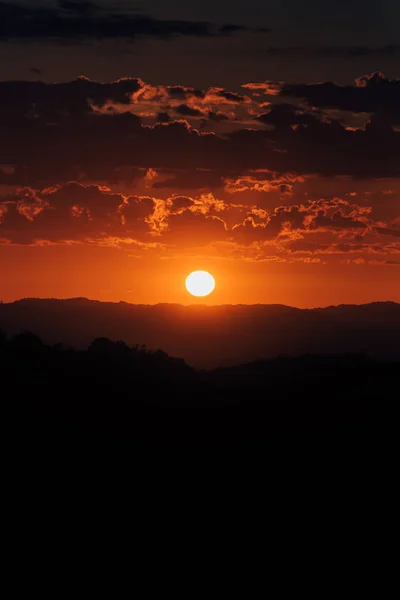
x=144, y=140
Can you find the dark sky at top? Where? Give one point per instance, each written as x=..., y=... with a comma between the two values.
x=374, y=20
x=310, y=40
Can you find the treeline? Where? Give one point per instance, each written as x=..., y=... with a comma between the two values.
x=136, y=394
x=28, y=347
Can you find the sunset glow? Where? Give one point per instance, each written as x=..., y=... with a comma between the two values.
x=279, y=170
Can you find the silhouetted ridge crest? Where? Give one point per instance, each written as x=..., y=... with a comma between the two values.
x=213, y=336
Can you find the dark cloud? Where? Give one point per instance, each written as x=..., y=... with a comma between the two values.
x=287, y=222
x=73, y=20
x=361, y=51
x=324, y=147
x=75, y=213
x=230, y=29
x=62, y=132
x=388, y=231
x=341, y=51
x=72, y=213
x=58, y=171
x=180, y=203
x=230, y=97
x=181, y=92
x=163, y=117
x=371, y=93
x=134, y=208
x=286, y=115
x=24, y=99
x=187, y=111
x=191, y=179
x=194, y=229
x=217, y=117
x=79, y=6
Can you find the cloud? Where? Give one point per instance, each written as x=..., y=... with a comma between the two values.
x=71, y=213
x=370, y=93
x=361, y=51
x=265, y=182
x=194, y=229
x=37, y=100
x=79, y=6
x=341, y=51
x=179, y=204
x=230, y=97
x=219, y=116
x=190, y=179
x=75, y=21
x=74, y=134
x=313, y=231
x=388, y=231
x=284, y=115
x=268, y=88
x=291, y=223
x=75, y=131
x=163, y=117
x=75, y=213
x=182, y=93
x=129, y=164
x=187, y=111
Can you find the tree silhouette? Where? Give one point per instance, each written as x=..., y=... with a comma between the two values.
x=118, y=388
x=3, y=339
x=26, y=343
x=102, y=346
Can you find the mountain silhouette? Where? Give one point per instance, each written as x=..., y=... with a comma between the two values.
x=213, y=336
x=120, y=412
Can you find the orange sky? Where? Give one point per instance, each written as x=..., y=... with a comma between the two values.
x=111, y=275
x=286, y=195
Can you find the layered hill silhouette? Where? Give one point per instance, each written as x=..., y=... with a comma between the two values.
x=140, y=395
x=123, y=409
x=213, y=336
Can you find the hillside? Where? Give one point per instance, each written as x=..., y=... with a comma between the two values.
x=213, y=336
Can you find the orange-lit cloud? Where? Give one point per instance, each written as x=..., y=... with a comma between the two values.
x=279, y=174
x=96, y=213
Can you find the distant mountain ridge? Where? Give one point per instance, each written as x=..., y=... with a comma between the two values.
x=212, y=336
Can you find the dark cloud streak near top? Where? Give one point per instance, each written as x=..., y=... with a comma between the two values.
x=347, y=51
x=73, y=20
x=79, y=6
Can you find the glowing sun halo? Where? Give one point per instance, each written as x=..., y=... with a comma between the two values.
x=200, y=283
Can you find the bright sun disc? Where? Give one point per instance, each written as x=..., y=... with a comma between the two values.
x=200, y=283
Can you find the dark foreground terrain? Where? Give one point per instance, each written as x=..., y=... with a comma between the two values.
x=126, y=408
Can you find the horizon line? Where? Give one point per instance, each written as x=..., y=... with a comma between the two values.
x=84, y=298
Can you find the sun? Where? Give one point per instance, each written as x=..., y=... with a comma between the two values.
x=200, y=283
